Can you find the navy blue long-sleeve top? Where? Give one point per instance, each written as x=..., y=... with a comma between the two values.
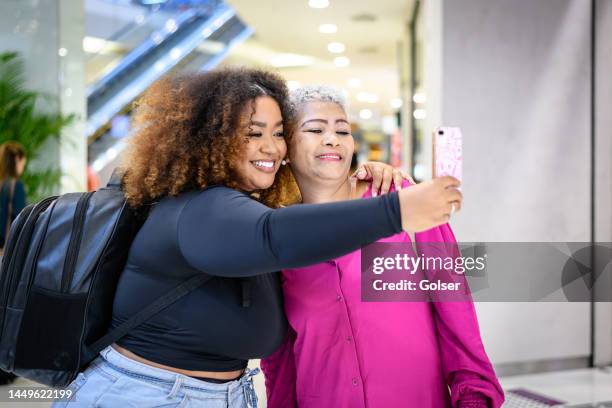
x=228, y=235
x=19, y=203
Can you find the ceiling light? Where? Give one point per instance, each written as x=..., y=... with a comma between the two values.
x=112, y=153
x=354, y=82
x=98, y=165
x=389, y=124
x=157, y=38
x=335, y=47
x=159, y=66
x=93, y=45
x=218, y=22
x=171, y=26
x=419, y=97
x=293, y=85
x=365, y=114
x=140, y=18
x=318, y=3
x=62, y=52
x=328, y=28
x=290, y=60
x=342, y=62
x=175, y=53
x=396, y=103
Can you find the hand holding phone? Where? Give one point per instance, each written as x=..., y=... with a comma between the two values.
x=429, y=204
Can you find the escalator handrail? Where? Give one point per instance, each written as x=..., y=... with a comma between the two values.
x=120, y=33
x=141, y=50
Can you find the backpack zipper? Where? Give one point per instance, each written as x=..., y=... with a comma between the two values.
x=75, y=241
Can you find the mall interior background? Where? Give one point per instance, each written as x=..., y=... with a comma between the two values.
x=527, y=81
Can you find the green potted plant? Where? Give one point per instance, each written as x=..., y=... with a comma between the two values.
x=21, y=120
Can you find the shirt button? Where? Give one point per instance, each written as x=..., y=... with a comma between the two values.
x=339, y=298
x=355, y=381
x=349, y=338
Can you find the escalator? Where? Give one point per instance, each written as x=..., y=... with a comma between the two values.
x=197, y=40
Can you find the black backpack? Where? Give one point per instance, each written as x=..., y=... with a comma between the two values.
x=59, y=273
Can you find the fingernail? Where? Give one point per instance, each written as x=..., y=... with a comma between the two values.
x=361, y=173
x=374, y=193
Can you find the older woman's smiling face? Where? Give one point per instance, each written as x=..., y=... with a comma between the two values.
x=322, y=145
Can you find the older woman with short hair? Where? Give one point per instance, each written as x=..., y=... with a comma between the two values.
x=342, y=352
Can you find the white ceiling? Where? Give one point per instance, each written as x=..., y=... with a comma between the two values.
x=291, y=26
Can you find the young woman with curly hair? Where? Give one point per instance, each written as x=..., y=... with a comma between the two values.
x=205, y=156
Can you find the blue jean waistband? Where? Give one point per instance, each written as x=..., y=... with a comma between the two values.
x=126, y=365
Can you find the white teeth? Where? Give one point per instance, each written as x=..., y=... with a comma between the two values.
x=329, y=156
x=266, y=164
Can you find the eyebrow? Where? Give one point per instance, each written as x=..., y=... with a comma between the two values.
x=264, y=125
x=325, y=122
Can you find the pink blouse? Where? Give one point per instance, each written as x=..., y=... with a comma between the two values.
x=342, y=352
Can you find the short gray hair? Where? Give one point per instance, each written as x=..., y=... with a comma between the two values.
x=316, y=93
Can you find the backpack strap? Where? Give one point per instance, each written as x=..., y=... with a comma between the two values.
x=145, y=314
x=116, y=179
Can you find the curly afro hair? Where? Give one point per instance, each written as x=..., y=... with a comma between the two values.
x=187, y=131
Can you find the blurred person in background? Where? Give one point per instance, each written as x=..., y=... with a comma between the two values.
x=12, y=200
x=12, y=191
x=205, y=160
x=345, y=353
x=93, y=180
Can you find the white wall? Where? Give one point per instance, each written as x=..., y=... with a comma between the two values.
x=515, y=77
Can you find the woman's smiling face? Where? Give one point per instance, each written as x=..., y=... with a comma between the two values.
x=322, y=145
x=265, y=147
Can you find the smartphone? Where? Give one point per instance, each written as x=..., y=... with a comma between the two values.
x=447, y=152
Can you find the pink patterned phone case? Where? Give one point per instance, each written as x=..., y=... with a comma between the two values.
x=447, y=152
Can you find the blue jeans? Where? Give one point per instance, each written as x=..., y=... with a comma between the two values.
x=114, y=380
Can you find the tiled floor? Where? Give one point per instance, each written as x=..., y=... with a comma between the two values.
x=574, y=387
